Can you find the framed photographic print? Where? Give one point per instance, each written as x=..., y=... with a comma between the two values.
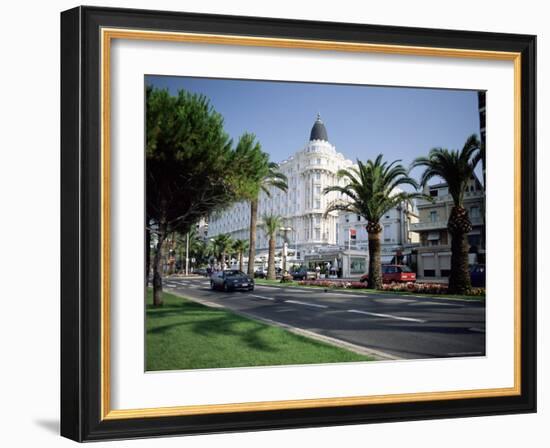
x=272, y=223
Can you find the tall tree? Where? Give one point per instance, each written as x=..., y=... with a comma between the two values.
x=240, y=246
x=272, y=225
x=259, y=174
x=188, y=167
x=222, y=245
x=456, y=168
x=371, y=190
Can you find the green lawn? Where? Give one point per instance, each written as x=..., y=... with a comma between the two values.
x=294, y=284
x=186, y=335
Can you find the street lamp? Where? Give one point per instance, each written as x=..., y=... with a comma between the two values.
x=285, y=231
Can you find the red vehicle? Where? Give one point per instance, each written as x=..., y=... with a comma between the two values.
x=394, y=273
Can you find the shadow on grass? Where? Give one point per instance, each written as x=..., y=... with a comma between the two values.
x=207, y=322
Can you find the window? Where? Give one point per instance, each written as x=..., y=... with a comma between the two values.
x=317, y=203
x=317, y=176
x=317, y=234
x=358, y=266
x=433, y=193
x=317, y=189
x=318, y=161
x=387, y=235
x=317, y=219
x=474, y=240
x=429, y=272
x=433, y=216
x=474, y=212
x=358, y=217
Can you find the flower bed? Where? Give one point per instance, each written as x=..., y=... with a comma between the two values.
x=333, y=284
x=415, y=288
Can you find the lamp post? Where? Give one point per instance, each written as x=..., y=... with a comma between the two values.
x=285, y=231
x=187, y=255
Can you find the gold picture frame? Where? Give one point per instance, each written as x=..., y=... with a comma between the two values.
x=106, y=30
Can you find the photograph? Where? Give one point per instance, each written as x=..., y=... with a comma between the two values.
x=300, y=223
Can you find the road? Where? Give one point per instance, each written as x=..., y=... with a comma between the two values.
x=394, y=326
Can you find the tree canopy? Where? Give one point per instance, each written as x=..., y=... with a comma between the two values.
x=188, y=156
x=371, y=189
x=455, y=167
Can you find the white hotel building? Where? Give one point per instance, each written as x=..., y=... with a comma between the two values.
x=309, y=171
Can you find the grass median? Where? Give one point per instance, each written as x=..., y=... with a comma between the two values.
x=187, y=335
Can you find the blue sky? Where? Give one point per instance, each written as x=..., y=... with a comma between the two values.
x=361, y=121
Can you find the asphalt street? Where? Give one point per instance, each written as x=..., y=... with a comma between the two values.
x=408, y=327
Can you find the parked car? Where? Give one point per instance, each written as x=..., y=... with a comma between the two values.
x=262, y=273
x=201, y=271
x=477, y=275
x=230, y=280
x=394, y=273
x=302, y=273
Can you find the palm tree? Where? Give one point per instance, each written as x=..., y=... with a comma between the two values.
x=222, y=243
x=371, y=190
x=262, y=176
x=271, y=225
x=240, y=246
x=457, y=169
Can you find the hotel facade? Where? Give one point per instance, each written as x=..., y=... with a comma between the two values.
x=434, y=251
x=302, y=207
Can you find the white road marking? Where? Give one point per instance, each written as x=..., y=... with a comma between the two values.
x=437, y=303
x=395, y=301
x=389, y=316
x=345, y=294
x=477, y=330
x=465, y=354
x=261, y=297
x=297, y=302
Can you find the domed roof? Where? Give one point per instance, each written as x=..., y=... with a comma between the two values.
x=318, y=131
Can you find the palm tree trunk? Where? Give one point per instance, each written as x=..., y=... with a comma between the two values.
x=459, y=226
x=375, y=269
x=271, y=260
x=241, y=261
x=252, y=237
x=157, y=266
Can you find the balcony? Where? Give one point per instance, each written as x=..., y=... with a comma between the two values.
x=468, y=195
x=428, y=225
x=438, y=225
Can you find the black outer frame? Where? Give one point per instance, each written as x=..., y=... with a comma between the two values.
x=80, y=223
